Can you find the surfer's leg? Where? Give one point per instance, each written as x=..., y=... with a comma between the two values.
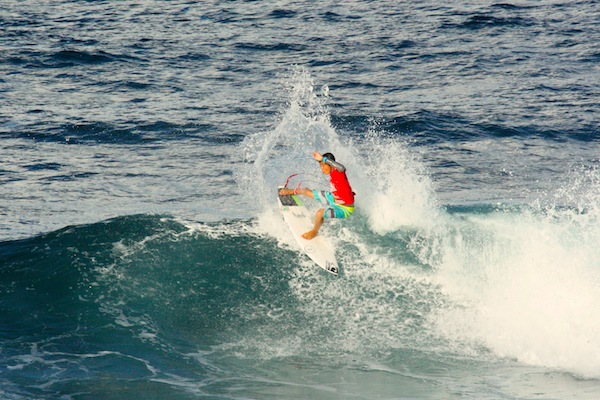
x=319, y=218
x=305, y=192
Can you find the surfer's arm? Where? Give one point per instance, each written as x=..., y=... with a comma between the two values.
x=335, y=165
x=327, y=161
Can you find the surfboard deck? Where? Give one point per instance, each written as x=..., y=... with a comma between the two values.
x=298, y=218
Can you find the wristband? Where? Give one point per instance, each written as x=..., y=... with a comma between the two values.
x=324, y=159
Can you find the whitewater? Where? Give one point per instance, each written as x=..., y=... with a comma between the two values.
x=142, y=252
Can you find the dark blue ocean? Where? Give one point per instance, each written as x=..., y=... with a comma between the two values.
x=142, y=255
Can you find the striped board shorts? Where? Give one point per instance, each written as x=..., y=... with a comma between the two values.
x=333, y=210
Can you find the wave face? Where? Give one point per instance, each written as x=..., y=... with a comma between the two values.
x=150, y=305
x=131, y=303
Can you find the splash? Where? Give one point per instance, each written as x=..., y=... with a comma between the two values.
x=392, y=187
x=524, y=283
x=397, y=190
x=304, y=127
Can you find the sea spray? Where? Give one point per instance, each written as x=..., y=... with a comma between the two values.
x=392, y=186
x=524, y=282
x=272, y=155
x=398, y=191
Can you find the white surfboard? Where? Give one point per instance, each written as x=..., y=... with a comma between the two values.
x=299, y=220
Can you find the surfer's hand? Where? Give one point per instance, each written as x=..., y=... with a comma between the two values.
x=317, y=156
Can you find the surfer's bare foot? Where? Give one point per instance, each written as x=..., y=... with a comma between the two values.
x=310, y=234
x=286, y=191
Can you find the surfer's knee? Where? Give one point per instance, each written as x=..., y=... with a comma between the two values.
x=306, y=192
x=320, y=214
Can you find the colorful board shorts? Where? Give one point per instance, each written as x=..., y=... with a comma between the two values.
x=333, y=210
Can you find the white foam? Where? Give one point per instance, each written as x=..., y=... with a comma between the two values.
x=525, y=286
x=397, y=191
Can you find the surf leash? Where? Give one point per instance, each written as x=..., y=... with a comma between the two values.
x=288, y=179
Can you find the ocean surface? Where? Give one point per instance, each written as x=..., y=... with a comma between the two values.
x=142, y=255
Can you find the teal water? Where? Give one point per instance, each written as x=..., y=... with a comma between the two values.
x=155, y=307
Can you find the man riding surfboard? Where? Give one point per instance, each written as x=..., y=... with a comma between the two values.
x=339, y=201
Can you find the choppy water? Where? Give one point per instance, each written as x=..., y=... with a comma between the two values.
x=141, y=252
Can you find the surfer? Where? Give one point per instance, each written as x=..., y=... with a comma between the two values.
x=339, y=201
